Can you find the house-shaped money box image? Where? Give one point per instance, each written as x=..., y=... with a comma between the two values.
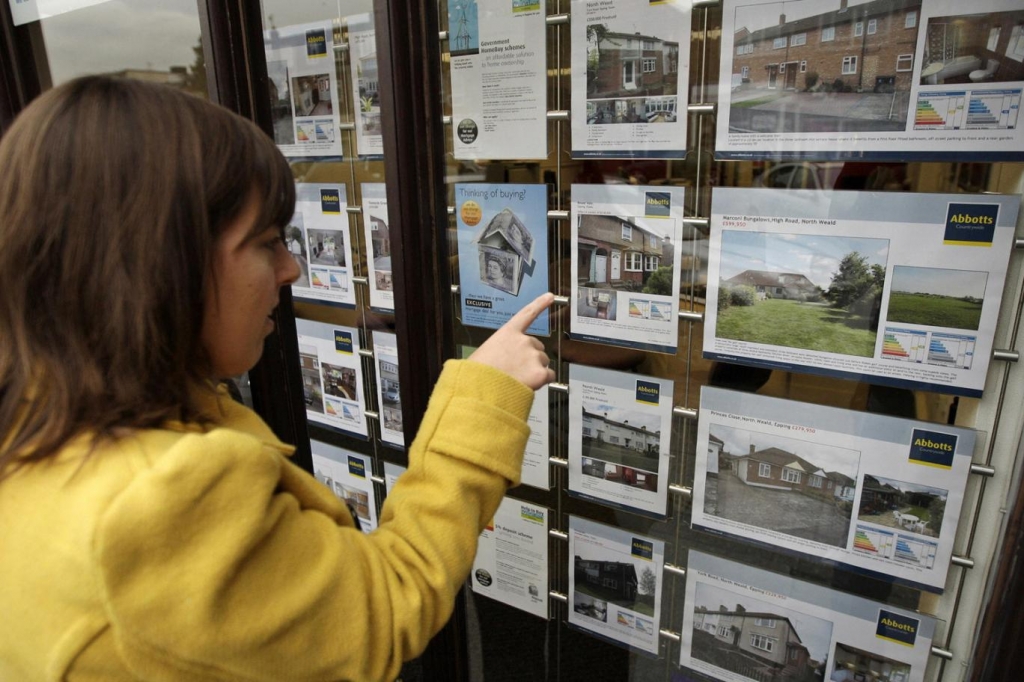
x=505, y=248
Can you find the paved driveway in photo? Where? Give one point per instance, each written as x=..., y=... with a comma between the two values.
x=784, y=511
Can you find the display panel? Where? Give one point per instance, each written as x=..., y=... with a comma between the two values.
x=385, y=353
x=630, y=75
x=304, y=90
x=332, y=376
x=317, y=237
x=348, y=475
x=499, y=99
x=378, y=232
x=896, y=289
x=831, y=79
x=362, y=55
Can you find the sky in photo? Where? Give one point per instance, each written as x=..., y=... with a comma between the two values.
x=621, y=415
x=828, y=457
x=939, y=281
x=754, y=16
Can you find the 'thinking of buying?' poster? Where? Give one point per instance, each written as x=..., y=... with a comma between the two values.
x=739, y=620
x=536, y=471
x=332, y=376
x=317, y=237
x=385, y=354
x=499, y=78
x=924, y=80
x=890, y=288
x=349, y=476
x=873, y=493
x=362, y=53
x=24, y=11
x=303, y=89
x=503, y=252
x=615, y=584
x=626, y=271
x=378, y=244
x=619, y=436
x=511, y=563
x=630, y=74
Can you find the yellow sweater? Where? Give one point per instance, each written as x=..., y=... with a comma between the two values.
x=191, y=554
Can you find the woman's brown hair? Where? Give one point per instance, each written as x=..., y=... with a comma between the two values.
x=112, y=193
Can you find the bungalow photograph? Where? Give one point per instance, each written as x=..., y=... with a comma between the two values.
x=857, y=665
x=809, y=291
x=617, y=579
x=794, y=487
x=757, y=640
x=815, y=66
x=617, y=253
x=632, y=76
x=621, y=446
x=907, y=506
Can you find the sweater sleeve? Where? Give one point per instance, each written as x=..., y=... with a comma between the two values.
x=212, y=569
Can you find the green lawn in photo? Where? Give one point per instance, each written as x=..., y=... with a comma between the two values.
x=933, y=310
x=811, y=326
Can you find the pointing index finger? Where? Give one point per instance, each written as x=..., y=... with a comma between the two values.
x=525, y=317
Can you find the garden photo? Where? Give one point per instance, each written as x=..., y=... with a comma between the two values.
x=906, y=506
x=814, y=292
x=937, y=297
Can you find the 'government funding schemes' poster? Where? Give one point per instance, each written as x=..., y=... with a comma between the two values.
x=362, y=54
x=619, y=437
x=511, y=563
x=626, y=271
x=872, y=493
x=630, y=75
x=503, y=252
x=349, y=476
x=378, y=245
x=615, y=584
x=318, y=238
x=890, y=288
x=834, y=79
x=303, y=90
x=332, y=376
x=499, y=78
x=739, y=620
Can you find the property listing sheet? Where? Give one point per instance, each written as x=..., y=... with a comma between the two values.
x=868, y=492
x=511, y=563
x=619, y=436
x=362, y=54
x=348, y=475
x=303, y=89
x=536, y=471
x=385, y=355
x=503, y=251
x=625, y=276
x=318, y=238
x=24, y=11
x=332, y=376
x=615, y=584
x=630, y=74
x=884, y=287
x=743, y=623
x=924, y=80
x=391, y=474
x=499, y=78
x=378, y=246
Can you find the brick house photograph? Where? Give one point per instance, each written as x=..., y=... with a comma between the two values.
x=632, y=76
x=616, y=579
x=757, y=640
x=621, y=446
x=823, y=65
x=794, y=487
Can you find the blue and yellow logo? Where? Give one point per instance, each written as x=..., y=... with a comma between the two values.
x=330, y=201
x=648, y=392
x=970, y=224
x=932, y=448
x=342, y=342
x=356, y=467
x=657, y=204
x=897, y=628
x=316, y=43
x=643, y=549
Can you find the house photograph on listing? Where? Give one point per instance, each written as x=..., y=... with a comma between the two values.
x=632, y=77
x=621, y=446
x=798, y=488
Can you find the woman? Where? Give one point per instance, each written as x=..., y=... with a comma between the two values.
x=153, y=529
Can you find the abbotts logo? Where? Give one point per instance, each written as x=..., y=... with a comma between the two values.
x=343, y=342
x=648, y=392
x=316, y=43
x=970, y=224
x=897, y=628
x=657, y=204
x=643, y=549
x=932, y=448
x=330, y=201
x=356, y=467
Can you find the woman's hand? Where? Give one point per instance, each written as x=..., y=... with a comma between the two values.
x=510, y=349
